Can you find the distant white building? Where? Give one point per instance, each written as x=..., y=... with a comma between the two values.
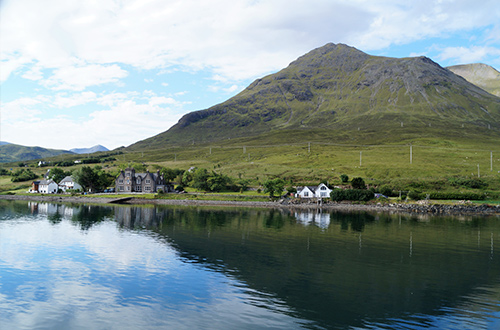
x=47, y=187
x=69, y=183
x=321, y=191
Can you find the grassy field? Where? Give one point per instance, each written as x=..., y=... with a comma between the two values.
x=428, y=164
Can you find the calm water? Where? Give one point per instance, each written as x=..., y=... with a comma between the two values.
x=94, y=267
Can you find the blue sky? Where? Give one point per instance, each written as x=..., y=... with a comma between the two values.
x=79, y=73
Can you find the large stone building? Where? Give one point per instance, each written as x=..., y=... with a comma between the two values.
x=129, y=181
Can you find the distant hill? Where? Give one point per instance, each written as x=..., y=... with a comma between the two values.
x=14, y=153
x=91, y=150
x=481, y=75
x=338, y=93
x=3, y=143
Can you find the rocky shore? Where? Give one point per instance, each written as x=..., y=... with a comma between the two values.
x=416, y=208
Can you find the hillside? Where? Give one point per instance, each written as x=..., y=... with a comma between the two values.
x=339, y=93
x=91, y=150
x=481, y=75
x=14, y=153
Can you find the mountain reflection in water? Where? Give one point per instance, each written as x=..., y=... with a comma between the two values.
x=327, y=269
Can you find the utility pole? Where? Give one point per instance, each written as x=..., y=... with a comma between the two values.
x=309, y=147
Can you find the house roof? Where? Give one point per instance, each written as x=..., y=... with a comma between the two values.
x=69, y=178
x=47, y=182
x=311, y=188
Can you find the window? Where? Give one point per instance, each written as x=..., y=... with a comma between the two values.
x=138, y=181
x=138, y=188
x=120, y=188
x=323, y=188
x=128, y=188
x=148, y=188
x=148, y=181
x=120, y=181
x=323, y=194
x=306, y=194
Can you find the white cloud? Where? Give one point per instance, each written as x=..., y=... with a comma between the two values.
x=82, y=46
x=468, y=55
x=24, y=108
x=125, y=119
x=80, y=77
x=63, y=100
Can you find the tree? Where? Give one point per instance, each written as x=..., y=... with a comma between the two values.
x=23, y=174
x=93, y=179
x=274, y=186
x=218, y=182
x=200, y=177
x=358, y=183
x=58, y=174
x=86, y=177
x=168, y=174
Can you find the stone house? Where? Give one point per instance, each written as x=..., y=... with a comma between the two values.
x=129, y=181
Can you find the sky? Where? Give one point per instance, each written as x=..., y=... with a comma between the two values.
x=74, y=74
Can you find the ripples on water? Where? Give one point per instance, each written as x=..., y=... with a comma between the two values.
x=88, y=267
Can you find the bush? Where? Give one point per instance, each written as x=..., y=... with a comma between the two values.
x=474, y=183
x=415, y=195
x=179, y=188
x=344, y=178
x=23, y=174
x=358, y=183
x=386, y=191
x=458, y=195
x=363, y=195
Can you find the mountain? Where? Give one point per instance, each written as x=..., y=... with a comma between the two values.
x=339, y=93
x=3, y=143
x=91, y=150
x=14, y=152
x=479, y=74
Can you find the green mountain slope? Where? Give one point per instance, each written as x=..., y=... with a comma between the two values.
x=479, y=74
x=14, y=153
x=336, y=90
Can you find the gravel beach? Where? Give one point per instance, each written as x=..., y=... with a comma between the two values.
x=414, y=208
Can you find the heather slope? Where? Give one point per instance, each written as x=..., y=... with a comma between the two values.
x=335, y=90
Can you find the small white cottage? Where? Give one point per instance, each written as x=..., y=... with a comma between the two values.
x=47, y=187
x=321, y=191
x=69, y=183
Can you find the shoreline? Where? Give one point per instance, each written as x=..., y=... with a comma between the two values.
x=416, y=208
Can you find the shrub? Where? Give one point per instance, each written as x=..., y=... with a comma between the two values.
x=415, y=195
x=386, y=191
x=351, y=195
x=458, y=195
x=474, y=183
x=344, y=178
x=358, y=183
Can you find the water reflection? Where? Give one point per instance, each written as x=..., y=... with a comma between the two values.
x=247, y=268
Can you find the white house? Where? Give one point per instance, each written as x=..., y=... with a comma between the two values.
x=69, y=183
x=321, y=191
x=47, y=187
